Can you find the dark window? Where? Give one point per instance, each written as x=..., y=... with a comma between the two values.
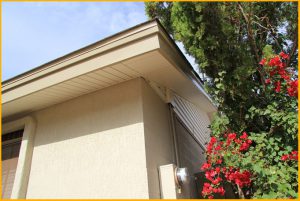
x=11, y=143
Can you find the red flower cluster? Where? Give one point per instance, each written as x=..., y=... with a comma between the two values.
x=278, y=74
x=262, y=62
x=243, y=142
x=239, y=178
x=208, y=190
x=214, y=149
x=205, y=166
x=211, y=176
x=292, y=156
x=214, y=168
x=293, y=88
x=211, y=144
x=276, y=62
x=283, y=55
x=277, y=86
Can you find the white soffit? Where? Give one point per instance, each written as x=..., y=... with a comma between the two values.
x=143, y=51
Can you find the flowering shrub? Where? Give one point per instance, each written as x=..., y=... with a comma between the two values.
x=259, y=163
x=278, y=74
x=217, y=171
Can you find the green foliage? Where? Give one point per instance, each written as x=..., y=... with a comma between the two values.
x=228, y=40
x=273, y=178
x=268, y=52
x=220, y=125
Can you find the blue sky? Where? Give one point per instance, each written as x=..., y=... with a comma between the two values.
x=35, y=33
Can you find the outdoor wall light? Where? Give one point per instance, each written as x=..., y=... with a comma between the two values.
x=182, y=176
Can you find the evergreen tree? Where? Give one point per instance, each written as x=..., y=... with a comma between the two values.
x=228, y=41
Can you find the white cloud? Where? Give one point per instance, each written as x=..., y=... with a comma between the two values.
x=35, y=33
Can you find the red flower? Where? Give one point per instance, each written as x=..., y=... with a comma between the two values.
x=219, y=161
x=290, y=91
x=268, y=81
x=294, y=152
x=207, y=185
x=272, y=73
x=244, y=136
x=210, y=197
x=232, y=136
x=285, y=76
x=213, y=140
x=221, y=190
x=277, y=85
x=293, y=155
x=284, y=157
x=283, y=55
x=238, y=141
x=205, y=166
x=240, y=178
x=293, y=88
x=263, y=61
x=274, y=61
x=207, y=189
x=210, y=145
x=218, y=148
x=244, y=146
x=216, y=181
x=210, y=174
x=281, y=65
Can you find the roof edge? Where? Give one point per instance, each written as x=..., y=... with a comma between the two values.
x=190, y=72
x=186, y=68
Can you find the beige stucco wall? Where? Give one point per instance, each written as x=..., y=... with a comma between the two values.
x=107, y=144
x=92, y=147
x=158, y=137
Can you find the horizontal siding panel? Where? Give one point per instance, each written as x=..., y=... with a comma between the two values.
x=94, y=81
x=129, y=71
x=87, y=83
x=110, y=76
x=99, y=78
x=79, y=85
x=194, y=119
x=117, y=73
x=72, y=88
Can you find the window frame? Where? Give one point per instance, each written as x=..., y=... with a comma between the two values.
x=28, y=124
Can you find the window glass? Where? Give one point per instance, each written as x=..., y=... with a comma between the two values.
x=11, y=144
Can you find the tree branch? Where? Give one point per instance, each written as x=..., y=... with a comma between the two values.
x=252, y=43
x=295, y=45
x=250, y=33
x=273, y=34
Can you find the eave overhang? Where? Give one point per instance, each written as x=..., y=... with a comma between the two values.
x=145, y=50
